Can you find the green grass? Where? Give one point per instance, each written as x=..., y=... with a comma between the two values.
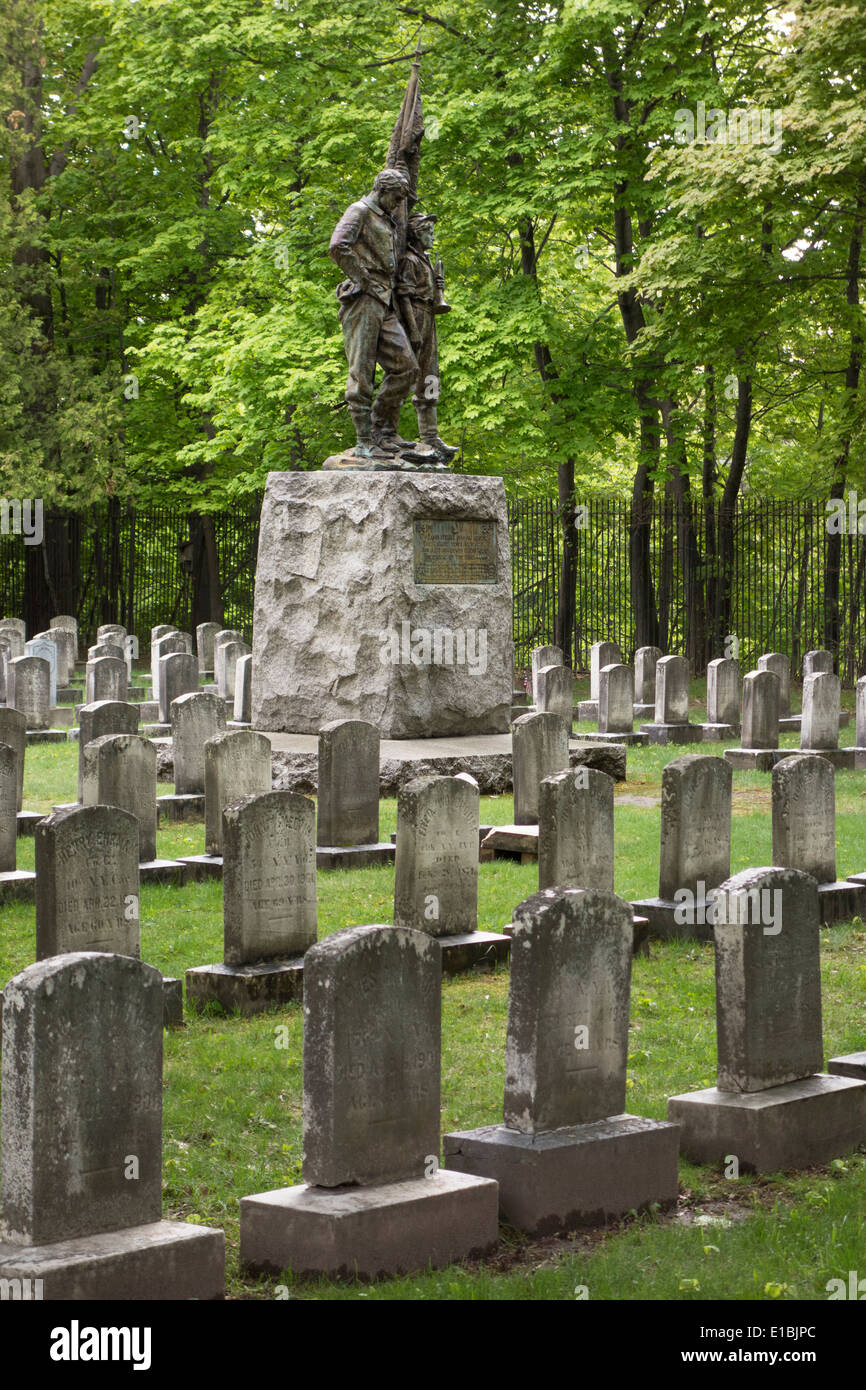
x=232, y=1119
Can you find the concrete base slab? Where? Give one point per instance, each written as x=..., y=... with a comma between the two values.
x=859, y=758
x=136, y=693
x=172, y=1001
x=510, y=842
x=354, y=856
x=369, y=1232
x=27, y=821
x=751, y=759
x=785, y=1127
x=717, y=733
x=64, y=806
x=475, y=950
x=17, y=886
x=840, y=901
x=672, y=733
x=163, y=1260
x=852, y=1064
x=605, y=757
x=790, y=723
x=155, y=730
x=628, y=739
x=148, y=711
x=174, y=807
x=486, y=756
x=249, y=989
x=586, y=711
x=69, y=694
x=644, y=711
x=858, y=879
x=46, y=735
x=663, y=924
x=163, y=871
x=202, y=866
x=585, y=1175
x=62, y=718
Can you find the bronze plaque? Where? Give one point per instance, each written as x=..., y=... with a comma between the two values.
x=454, y=551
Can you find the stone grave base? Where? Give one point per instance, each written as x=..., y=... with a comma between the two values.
x=148, y=711
x=517, y=710
x=510, y=842
x=585, y=1175
x=717, y=733
x=604, y=757
x=792, y=1126
x=627, y=739
x=238, y=724
x=155, y=730
x=172, y=1001
x=751, y=759
x=586, y=712
x=180, y=807
x=354, y=856
x=162, y=871
x=249, y=989
x=859, y=758
x=840, y=901
x=69, y=694
x=843, y=759
x=62, y=718
x=644, y=711
x=17, y=886
x=853, y=1064
x=672, y=733
x=27, y=821
x=790, y=723
x=202, y=866
x=163, y=1260
x=663, y=923
x=369, y=1232
x=474, y=950
x=46, y=735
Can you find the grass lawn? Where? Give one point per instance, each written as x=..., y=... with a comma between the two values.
x=232, y=1122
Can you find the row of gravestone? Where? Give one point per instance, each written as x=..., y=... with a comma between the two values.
x=82, y=1088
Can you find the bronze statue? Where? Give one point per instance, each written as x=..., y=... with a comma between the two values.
x=388, y=308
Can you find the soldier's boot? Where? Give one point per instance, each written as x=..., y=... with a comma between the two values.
x=366, y=447
x=428, y=430
x=386, y=435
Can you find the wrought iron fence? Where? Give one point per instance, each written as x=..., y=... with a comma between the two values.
x=137, y=568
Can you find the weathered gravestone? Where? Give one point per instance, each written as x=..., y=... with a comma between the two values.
x=540, y=658
x=236, y=764
x=204, y=640
x=539, y=744
x=87, y=882
x=819, y=726
x=616, y=706
x=671, y=719
x=120, y=770
x=82, y=1139
x=555, y=687
x=13, y=731
x=60, y=638
x=14, y=883
x=779, y=664
x=111, y=632
x=723, y=699
x=178, y=675
x=374, y=1201
x=230, y=654
x=28, y=681
x=804, y=832
x=770, y=1108
x=40, y=646
x=436, y=873
x=101, y=649
x=859, y=749
x=575, y=830
x=94, y=720
x=347, y=829
x=106, y=679
x=166, y=645
x=195, y=718
x=600, y=654
x=567, y=1154
x=760, y=732
x=695, y=853
x=815, y=661
x=646, y=659
x=269, y=904
x=221, y=640
x=243, y=706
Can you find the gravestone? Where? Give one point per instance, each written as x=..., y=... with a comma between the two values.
x=817, y=661
x=436, y=869
x=15, y=884
x=82, y=1139
x=539, y=748
x=102, y=717
x=723, y=699
x=567, y=1153
x=28, y=682
x=120, y=770
x=166, y=645
x=14, y=637
x=770, y=1107
x=575, y=830
x=41, y=647
x=17, y=625
x=695, y=852
x=229, y=654
x=540, y=658
x=106, y=679
x=243, y=706
x=646, y=660
x=347, y=829
x=859, y=749
x=671, y=718
x=5, y=658
x=555, y=687
x=804, y=833
x=204, y=640
x=178, y=675
x=819, y=728
x=113, y=649
x=616, y=707
x=779, y=664
x=56, y=655
x=371, y=1124
x=111, y=632
x=87, y=882
x=760, y=732
x=269, y=905
x=13, y=731
x=221, y=640
x=236, y=764
x=195, y=718
x=600, y=654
